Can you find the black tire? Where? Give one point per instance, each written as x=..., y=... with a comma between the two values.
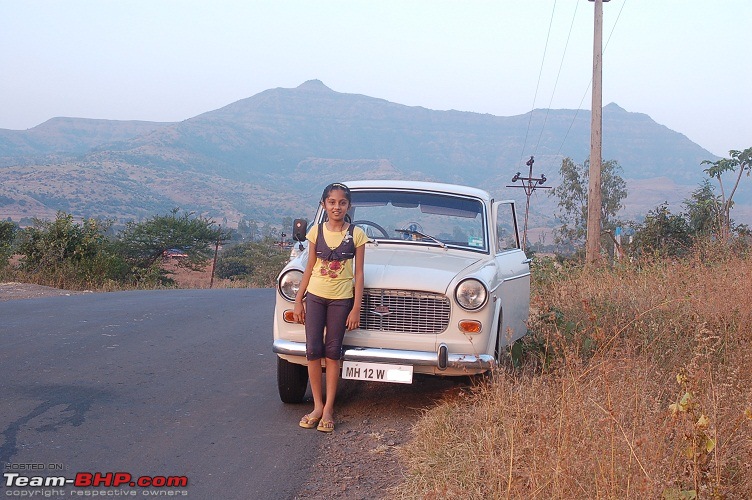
x=497, y=349
x=292, y=381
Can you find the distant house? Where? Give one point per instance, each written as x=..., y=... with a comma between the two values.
x=174, y=253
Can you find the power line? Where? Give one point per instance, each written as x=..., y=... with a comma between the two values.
x=591, y=80
x=535, y=97
x=556, y=83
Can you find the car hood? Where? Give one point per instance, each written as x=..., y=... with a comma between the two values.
x=429, y=269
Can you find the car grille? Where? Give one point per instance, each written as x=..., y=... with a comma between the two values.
x=404, y=311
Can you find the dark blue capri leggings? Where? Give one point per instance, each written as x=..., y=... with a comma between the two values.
x=329, y=313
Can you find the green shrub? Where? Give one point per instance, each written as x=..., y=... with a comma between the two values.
x=65, y=254
x=7, y=236
x=255, y=262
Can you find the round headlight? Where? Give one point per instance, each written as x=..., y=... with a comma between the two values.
x=289, y=284
x=471, y=294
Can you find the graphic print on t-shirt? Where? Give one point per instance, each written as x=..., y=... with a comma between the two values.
x=331, y=268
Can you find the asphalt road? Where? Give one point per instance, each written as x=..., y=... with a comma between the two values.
x=155, y=383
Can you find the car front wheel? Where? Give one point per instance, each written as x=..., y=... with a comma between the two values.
x=292, y=381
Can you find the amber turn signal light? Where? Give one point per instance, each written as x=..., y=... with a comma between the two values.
x=288, y=316
x=470, y=326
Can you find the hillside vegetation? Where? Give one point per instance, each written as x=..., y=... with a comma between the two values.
x=635, y=382
x=91, y=255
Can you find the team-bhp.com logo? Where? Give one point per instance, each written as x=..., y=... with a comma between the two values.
x=94, y=480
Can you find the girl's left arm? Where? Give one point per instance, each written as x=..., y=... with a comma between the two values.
x=353, y=319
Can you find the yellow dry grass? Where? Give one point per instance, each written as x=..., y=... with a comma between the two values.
x=637, y=384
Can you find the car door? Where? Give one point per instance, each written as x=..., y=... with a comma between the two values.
x=513, y=271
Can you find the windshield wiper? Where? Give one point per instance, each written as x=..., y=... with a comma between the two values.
x=412, y=232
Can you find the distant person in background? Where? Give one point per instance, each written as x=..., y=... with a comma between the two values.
x=330, y=296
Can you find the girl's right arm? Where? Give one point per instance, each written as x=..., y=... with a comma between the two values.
x=298, y=312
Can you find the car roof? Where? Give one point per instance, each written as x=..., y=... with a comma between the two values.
x=419, y=185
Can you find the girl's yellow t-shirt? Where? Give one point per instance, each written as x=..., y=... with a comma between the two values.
x=332, y=279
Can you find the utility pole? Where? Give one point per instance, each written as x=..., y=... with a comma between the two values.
x=593, y=242
x=529, y=184
x=216, y=251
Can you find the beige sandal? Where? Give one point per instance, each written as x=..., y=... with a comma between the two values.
x=325, y=426
x=309, y=422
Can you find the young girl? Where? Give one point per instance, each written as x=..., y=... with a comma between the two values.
x=331, y=298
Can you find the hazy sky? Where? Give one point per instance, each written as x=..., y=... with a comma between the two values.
x=686, y=63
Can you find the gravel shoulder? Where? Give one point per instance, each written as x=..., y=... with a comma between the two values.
x=361, y=458
x=15, y=291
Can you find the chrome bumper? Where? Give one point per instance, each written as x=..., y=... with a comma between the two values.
x=441, y=359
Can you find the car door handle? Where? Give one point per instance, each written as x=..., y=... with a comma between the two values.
x=527, y=261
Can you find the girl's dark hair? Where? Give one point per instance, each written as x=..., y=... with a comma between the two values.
x=336, y=185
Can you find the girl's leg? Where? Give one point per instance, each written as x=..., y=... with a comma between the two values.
x=335, y=332
x=316, y=312
x=314, y=376
x=332, y=378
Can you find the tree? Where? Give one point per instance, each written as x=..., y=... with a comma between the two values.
x=7, y=237
x=741, y=160
x=255, y=262
x=573, y=193
x=248, y=228
x=144, y=243
x=663, y=233
x=667, y=234
x=703, y=217
x=286, y=229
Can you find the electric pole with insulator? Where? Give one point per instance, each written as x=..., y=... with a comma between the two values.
x=529, y=184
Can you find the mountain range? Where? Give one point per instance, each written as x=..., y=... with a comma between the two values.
x=267, y=157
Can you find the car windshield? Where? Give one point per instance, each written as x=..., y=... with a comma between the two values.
x=422, y=218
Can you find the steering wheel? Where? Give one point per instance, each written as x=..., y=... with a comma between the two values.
x=373, y=225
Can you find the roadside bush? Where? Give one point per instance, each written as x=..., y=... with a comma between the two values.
x=64, y=254
x=256, y=263
x=7, y=236
x=662, y=233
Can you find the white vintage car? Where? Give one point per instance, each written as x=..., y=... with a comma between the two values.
x=447, y=286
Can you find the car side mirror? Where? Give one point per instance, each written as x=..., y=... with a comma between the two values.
x=299, y=230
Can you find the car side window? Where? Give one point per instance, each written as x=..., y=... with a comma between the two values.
x=506, y=228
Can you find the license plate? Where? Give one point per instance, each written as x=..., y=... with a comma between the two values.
x=377, y=372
